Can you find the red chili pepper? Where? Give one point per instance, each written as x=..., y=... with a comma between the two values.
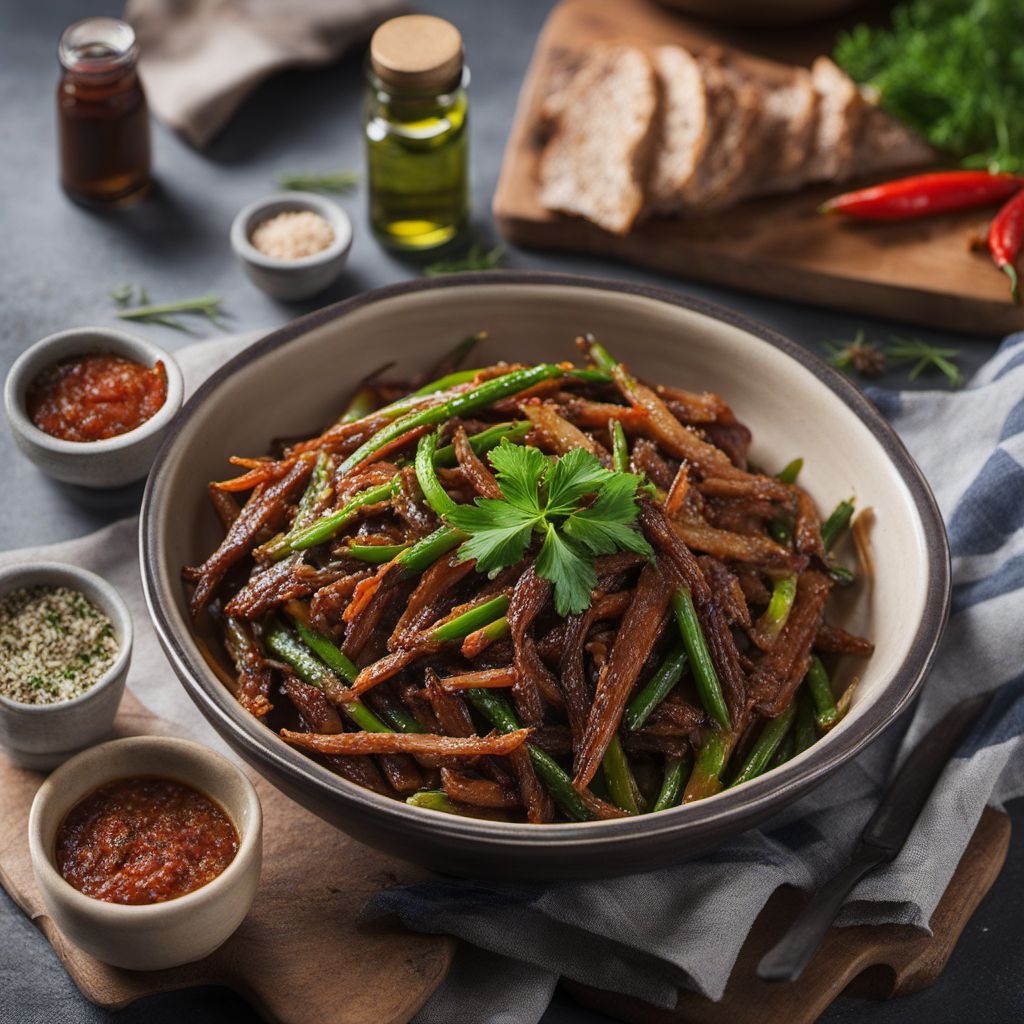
x=1005, y=238
x=924, y=194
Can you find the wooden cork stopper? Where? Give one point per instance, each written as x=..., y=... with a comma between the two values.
x=417, y=52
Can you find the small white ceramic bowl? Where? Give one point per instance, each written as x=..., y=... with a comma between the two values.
x=112, y=462
x=41, y=736
x=292, y=279
x=178, y=931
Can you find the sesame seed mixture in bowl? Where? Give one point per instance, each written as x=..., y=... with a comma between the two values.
x=54, y=644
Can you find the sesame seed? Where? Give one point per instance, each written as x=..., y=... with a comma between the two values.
x=54, y=644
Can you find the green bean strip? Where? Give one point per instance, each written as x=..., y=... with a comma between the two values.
x=376, y=554
x=805, y=733
x=458, y=405
x=786, y=749
x=360, y=406
x=424, y=553
x=772, y=734
x=453, y=358
x=327, y=526
x=336, y=659
x=790, y=472
x=445, y=383
x=656, y=689
x=436, y=496
x=836, y=523
x=601, y=356
x=676, y=769
x=309, y=668
x=499, y=713
x=706, y=777
x=618, y=775
x=620, y=447
x=826, y=713
x=495, y=630
x=470, y=621
x=780, y=605
x=484, y=441
x=703, y=668
x=435, y=799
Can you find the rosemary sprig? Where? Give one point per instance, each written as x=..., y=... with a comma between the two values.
x=339, y=181
x=133, y=304
x=925, y=357
x=477, y=258
x=870, y=360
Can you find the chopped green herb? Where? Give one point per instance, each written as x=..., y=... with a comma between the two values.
x=477, y=258
x=133, y=304
x=336, y=181
x=925, y=357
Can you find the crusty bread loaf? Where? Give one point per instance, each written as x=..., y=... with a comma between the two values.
x=685, y=127
x=885, y=144
x=596, y=162
x=840, y=108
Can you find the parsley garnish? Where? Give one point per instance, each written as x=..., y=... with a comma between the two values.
x=550, y=498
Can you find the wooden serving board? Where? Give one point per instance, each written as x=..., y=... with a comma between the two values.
x=918, y=272
x=295, y=954
x=876, y=962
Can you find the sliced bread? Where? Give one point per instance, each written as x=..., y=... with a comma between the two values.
x=596, y=161
x=685, y=127
x=840, y=109
x=885, y=144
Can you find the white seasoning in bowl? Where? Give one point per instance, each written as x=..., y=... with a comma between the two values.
x=54, y=644
x=292, y=235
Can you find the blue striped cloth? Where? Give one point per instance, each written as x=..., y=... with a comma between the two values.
x=684, y=926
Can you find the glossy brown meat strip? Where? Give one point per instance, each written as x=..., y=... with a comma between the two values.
x=678, y=492
x=750, y=486
x=350, y=435
x=253, y=671
x=736, y=547
x=556, y=433
x=733, y=438
x=281, y=582
x=727, y=587
x=752, y=584
x=381, y=670
x=638, y=632
x=321, y=717
x=423, y=606
x=407, y=743
x=365, y=616
x=476, y=472
x=807, y=527
x=539, y=808
x=225, y=505
x=265, y=508
x=678, y=440
x=692, y=407
x=646, y=460
x=601, y=809
x=552, y=739
x=260, y=472
x=449, y=708
x=712, y=619
x=835, y=640
x=408, y=503
x=488, y=678
x=783, y=668
x=648, y=742
x=675, y=718
x=595, y=415
x=478, y=792
x=329, y=602
x=528, y=598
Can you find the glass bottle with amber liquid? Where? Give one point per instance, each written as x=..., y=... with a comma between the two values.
x=416, y=129
x=102, y=115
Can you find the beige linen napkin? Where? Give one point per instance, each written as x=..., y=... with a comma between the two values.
x=113, y=553
x=201, y=58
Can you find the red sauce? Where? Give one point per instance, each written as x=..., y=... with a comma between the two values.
x=144, y=840
x=93, y=397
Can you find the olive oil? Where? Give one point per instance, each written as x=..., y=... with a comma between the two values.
x=416, y=128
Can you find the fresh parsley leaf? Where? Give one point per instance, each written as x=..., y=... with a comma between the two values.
x=575, y=474
x=549, y=497
x=499, y=533
x=520, y=469
x=604, y=527
x=569, y=568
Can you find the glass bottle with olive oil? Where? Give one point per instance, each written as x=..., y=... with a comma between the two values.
x=417, y=143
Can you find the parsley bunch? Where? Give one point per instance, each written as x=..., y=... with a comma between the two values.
x=550, y=499
x=954, y=71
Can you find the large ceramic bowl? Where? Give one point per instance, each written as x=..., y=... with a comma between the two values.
x=293, y=381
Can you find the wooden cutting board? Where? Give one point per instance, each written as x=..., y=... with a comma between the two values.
x=875, y=962
x=295, y=955
x=918, y=272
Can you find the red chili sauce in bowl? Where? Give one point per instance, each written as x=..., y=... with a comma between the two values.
x=144, y=840
x=93, y=397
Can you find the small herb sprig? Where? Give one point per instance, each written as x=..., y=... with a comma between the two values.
x=871, y=360
x=134, y=304
x=478, y=258
x=336, y=181
x=579, y=508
